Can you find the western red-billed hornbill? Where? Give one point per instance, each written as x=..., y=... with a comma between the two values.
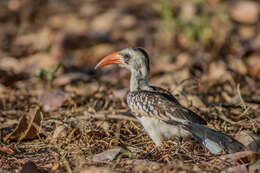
x=161, y=115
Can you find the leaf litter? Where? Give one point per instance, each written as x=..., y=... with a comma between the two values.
x=85, y=113
x=27, y=129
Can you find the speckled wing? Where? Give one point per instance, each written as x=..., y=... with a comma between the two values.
x=166, y=94
x=157, y=105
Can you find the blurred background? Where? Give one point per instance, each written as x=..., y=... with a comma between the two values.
x=207, y=38
x=206, y=52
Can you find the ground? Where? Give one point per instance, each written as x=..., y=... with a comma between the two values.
x=59, y=114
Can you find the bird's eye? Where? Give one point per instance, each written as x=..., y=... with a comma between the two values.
x=126, y=57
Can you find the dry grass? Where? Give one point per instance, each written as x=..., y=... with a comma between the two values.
x=213, y=71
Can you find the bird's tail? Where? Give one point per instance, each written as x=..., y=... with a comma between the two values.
x=213, y=140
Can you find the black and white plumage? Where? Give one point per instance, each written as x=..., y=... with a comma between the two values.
x=161, y=115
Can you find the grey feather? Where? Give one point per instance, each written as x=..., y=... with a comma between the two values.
x=213, y=140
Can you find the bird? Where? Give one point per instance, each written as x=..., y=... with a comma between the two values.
x=159, y=112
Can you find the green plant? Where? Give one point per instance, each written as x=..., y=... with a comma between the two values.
x=48, y=76
x=165, y=10
x=198, y=29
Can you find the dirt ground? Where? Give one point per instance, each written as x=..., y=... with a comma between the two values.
x=58, y=114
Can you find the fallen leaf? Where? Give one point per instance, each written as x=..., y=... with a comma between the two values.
x=8, y=78
x=6, y=150
x=238, y=169
x=139, y=164
x=254, y=65
x=68, y=22
x=21, y=128
x=245, y=12
x=188, y=11
x=30, y=167
x=120, y=93
x=238, y=65
x=237, y=156
x=106, y=156
x=105, y=22
x=83, y=89
x=102, y=124
x=196, y=101
x=217, y=70
x=38, y=61
x=249, y=139
x=37, y=41
x=94, y=169
x=64, y=79
x=255, y=167
x=59, y=132
x=27, y=129
x=146, y=163
x=246, y=32
x=52, y=100
x=255, y=42
x=10, y=64
x=94, y=53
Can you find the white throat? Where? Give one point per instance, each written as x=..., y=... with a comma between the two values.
x=137, y=82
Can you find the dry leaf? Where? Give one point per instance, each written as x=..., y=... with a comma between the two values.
x=237, y=156
x=69, y=22
x=27, y=129
x=217, y=70
x=93, y=169
x=6, y=150
x=105, y=22
x=145, y=163
x=51, y=101
x=10, y=64
x=21, y=128
x=188, y=10
x=120, y=93
x=238, y=169
x=245, y=12
x=83, y=90
x=38, y=61
x=247, y=32
x=249, y=139
x=196, y=101
x=30, y=167
x=238, y=65
x=34, y=125
x=94, y=53
x=103, y=124
x=255, y=167
x=64, y=79
x=59, y=132
x=254, y=65
x=106, y=156
x=8, y=78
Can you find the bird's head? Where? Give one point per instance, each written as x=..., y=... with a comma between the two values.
x=135, y=59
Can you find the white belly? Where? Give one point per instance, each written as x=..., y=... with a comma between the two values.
x=159, y=130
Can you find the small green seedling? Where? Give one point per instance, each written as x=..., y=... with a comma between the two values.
x=48, y=76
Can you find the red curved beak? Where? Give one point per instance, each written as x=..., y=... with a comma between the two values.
x=113, y=58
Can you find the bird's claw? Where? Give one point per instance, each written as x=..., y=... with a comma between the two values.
x=150, y=152
x=177, y=150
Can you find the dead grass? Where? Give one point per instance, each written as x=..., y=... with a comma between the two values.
x=84, y=111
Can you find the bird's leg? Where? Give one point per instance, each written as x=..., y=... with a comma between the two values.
x=150, y=152
x=180, y=140
x=178, y=147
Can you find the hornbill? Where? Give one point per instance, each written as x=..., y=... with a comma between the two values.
x=161, y=115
